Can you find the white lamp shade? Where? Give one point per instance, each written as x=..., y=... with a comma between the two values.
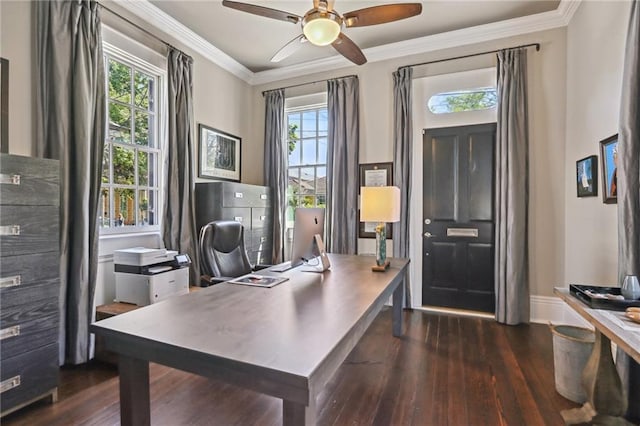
x=321, y=31
x=379, y=204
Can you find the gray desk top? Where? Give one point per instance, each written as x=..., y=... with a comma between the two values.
x=287, y=331
x=628, y=341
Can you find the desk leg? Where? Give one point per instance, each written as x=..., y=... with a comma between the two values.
x=296, y=414
x=606, y=400
x=397, y=309
x=134, y=391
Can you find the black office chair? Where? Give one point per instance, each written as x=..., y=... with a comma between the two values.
x=222, y=252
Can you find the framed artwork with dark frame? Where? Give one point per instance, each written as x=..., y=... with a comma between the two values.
x=374, y=174
x=218, y=154
x=4, y=105
x=609, y=159
x=587, y=176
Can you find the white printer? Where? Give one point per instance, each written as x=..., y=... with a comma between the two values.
x=145, y=276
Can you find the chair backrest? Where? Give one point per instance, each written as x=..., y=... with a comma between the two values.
x=222, y=250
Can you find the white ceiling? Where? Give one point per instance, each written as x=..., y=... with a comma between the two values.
x=252, y=40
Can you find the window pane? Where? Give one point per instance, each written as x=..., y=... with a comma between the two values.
x=321, y=201
x=153, y=218
x=308, y=201
x=307, y=180
x=463, y=100
x=309, y=151
x=322, y=122
x=321, y=180
x=124, y=200
x=294, y=153
x=106, y=160
x=294, y=126
x=123, y=166
x=119, y=123
x=293, y=185
x=143, y=168
x=143, y=85
x=105, y=204
x=144, y=129
x=322, y=151
x=143, y=207
x=309, y=124
x=119, y=81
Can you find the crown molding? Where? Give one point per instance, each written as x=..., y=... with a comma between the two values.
x=481, y=33
x=149, y=13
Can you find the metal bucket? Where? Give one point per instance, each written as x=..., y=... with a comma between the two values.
x=572, y=348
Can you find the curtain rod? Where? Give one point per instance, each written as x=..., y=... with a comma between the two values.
x=310, y=82
x=537, y=45
x=147, y=32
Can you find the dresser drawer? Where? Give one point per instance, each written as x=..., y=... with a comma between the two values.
x=29, y=376
x=29, y=277
x=29, y=181
x=261, y=218
x=26, y=230
x=242, y=195
x=29, y=335
x=20, y=314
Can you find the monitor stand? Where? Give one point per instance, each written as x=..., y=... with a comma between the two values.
x=323, y=259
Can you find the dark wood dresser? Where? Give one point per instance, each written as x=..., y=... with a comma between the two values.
x=29, y=280
x=247, y=204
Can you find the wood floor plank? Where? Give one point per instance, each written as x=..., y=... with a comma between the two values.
x=445, y=370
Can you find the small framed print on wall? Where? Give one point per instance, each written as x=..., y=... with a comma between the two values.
x=587, y=176
x=218, y=155
x=609, y=158
x=375, y=174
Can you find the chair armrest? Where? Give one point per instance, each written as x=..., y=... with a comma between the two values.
x=260, y=266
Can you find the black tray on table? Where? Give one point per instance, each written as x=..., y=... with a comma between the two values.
x=581, y=292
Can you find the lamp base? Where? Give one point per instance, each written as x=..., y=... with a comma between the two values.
x=381, y=268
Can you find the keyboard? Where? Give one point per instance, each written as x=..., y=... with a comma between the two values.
x=281, y=267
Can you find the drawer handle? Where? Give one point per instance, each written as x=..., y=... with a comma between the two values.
x=238, y=218
x=9, y=384
x=263, y=217
x=263, y=239
x=10, y=281
x=263, y=196
x=10, y=230
x=10, y=332
x=239, y=195
x=10, y=179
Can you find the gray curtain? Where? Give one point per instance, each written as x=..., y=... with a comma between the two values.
x=70, y=126
x=402, y=153
x=629, y=186
x=342, y=165
x=512, y=190
x=275, y=164
x=178, y=222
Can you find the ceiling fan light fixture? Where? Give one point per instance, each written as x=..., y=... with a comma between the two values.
x=321, y=28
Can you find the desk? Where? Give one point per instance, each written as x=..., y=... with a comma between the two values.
x=608, y=402
x=286, y=341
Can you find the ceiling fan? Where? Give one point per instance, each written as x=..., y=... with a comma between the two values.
x=322, y=25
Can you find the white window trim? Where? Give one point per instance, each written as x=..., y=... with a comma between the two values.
x=161, y=131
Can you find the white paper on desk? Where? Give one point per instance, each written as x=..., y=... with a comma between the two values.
x=619, y=319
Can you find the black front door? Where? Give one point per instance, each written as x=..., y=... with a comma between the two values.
x=458, y=237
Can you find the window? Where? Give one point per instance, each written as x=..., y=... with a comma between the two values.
x=132, y=153
x=463, y=100
x=307, y=171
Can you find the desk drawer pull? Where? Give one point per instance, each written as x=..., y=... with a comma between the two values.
x=10, y=230
x=462, y=232
x=10, y=332
x=10, y=281
x=9, y=384
x=263, y=218
x=238, y=195
x=238, y=219
x=263, y=196
x=9, y=179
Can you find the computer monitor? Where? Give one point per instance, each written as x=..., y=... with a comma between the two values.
x=307, y=223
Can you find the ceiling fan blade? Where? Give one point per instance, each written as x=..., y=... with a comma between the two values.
x=381, y=14
x=349, y=49
x=289, y=48
x=263, y=11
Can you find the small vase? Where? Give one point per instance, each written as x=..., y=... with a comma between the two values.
x=630, y=288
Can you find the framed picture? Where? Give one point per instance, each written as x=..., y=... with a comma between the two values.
x=219, y=154
x=587, y=176
x=375, y=174
x=4, y=105
x=609, y=158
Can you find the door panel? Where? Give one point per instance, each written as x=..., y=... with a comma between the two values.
x=458, y=217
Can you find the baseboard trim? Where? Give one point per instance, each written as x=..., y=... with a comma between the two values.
x=545, y=310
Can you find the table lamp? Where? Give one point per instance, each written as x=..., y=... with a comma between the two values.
x=380, y=204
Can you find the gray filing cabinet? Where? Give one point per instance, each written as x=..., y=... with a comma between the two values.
x=247, y=204
x=29, y=279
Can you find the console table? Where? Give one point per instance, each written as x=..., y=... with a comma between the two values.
x=607, y=402
x=286, y=341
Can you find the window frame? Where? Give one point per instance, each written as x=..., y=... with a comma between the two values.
x=160, y=125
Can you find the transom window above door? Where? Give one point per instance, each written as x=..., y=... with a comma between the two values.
x=463, y=100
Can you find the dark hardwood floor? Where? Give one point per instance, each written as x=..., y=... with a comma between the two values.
x=445, y=370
